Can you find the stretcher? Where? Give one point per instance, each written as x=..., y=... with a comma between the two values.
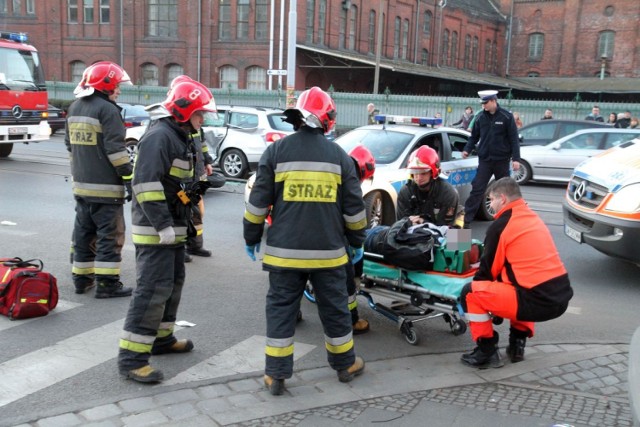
x=416, y=295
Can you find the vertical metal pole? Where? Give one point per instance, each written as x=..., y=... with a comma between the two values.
x=508, y=41
x=376, y=78
x=291, y=54
x=199, y=39
x=271, y=29
x=280, y=59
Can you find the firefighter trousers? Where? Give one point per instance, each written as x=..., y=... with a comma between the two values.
x=98, y=237
x=197, y=241
x=152, y=312
x=283, y=303
x=497, y=298
x=354, y=272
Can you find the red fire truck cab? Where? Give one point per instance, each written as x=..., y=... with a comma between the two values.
x=23, y=93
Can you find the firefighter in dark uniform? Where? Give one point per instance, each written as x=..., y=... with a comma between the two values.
x=521, y=278
x=101, y=170
x=426, y=197
x=316, y=202
x=160, y=215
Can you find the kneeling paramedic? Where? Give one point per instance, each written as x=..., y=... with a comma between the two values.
x=521, y=278
x=160, y=215
x=316, y=203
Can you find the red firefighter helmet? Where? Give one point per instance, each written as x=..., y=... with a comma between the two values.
x=317, y=108
x=180, y=79
x=424, y=159
x=104, y=76
x=364, y=161
x=186, y=98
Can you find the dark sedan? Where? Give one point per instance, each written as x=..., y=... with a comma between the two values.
x=133, y=115
x=545, y=131
x=56, y=118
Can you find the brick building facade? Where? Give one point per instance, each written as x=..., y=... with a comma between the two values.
x=225, y=43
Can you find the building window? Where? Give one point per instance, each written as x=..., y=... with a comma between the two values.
x=396, y=38
x=425, y=57
x=474, y=53
x=105, y=15
x=173, y=71
x=228, y=77
x=256, y=78
x=353, y=14
x=444, y=53
x=606, y=44
x=242, y=20
x=533, y=74
x=467, y=51
x=88, y=11
x=426, y=26
x=72, y=11
x=343, y=28
x=453, y=61
x=372, y=31
x=487, y=56
x=31, y=7
x=261, y=20
x=536, y=45
x=224, y=20
x=311, y=19
x=163, y=18
x=4, y=8
x=77, y=68
x=322, y=20
x=494, y=66
x=405, y=38
x=16, y=7
x=149, y=75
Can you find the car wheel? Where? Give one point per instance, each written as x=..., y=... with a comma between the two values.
x=234, y=164
x=5, y=150
x=374, y=206
x=132, y=148
x=523, y=174
x=486, y=212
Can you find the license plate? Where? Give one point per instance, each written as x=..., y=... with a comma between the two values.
x=573, y=233
x=18, y=131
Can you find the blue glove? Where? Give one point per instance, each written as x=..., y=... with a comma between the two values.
x=356, y=254
x=251, y=250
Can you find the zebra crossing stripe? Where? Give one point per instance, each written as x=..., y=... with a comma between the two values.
x=244, y=357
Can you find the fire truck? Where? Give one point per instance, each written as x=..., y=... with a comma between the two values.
x=23, y=93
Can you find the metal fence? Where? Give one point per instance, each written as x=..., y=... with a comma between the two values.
x=352, y=107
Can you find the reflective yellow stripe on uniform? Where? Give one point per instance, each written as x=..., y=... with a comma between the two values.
x=136, y=343
x=357, y=221
x=119, y=158
x=254, y=214
x=309, y=181
x=352, y=302
x=165, y=329
x=82, y=268
x=107, y=268
x=181, y=169
x=149, y=192
x=279, y=347
x=98, y=190
x=147, y=235
x=83, y=130
x=300, y=258
x=340, y=344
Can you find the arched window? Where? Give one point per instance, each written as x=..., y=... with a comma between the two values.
x=173, y=71
x=256, y=78
x=149, y=74
x=425, y=57
x=606, y=42
x=372, y=31
x=77, y=68
x=405, y=38
x=342, y=42
x=322, y=21
x=426, y=26
x=474, y=53
x=536, y=45
x=453, y=61
x=353, y=21
x=467, y=51
x=396, y=38
x=228, y=77
x=311, y=20
x=488, y=62
x=444, y=53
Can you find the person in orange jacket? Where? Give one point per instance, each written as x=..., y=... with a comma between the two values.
x=521, y=278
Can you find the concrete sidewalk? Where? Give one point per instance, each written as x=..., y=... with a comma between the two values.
x=576, y=385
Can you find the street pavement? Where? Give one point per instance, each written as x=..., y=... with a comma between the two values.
x=556, y=384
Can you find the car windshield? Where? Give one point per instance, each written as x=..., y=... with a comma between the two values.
x=386, y=146
x=276, y=122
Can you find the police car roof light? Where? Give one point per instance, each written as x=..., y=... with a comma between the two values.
x=16, y=37
x=407, y=120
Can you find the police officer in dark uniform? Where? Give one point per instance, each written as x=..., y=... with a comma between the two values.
x=161, y=211
x=314, y=195
x=101, y=170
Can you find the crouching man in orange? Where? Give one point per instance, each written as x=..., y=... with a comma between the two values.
x=521, y=278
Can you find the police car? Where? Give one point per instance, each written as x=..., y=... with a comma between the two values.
x=391, y=141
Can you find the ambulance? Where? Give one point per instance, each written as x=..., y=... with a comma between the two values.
x=602, y=203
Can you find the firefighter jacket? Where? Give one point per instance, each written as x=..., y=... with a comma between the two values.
x=437, y=204
x=495, y=135
x=519, y=250
x=316, y=201
x=203, y=157
x=99, y=160
x=164, y=169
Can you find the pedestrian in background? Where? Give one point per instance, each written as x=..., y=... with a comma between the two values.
x=613, y=119
x=465, y=119
x=633, y=123
x=595, y=115
x=371, y=114
x=101, y=169
x=160, y=214
x=500, y=149
x=624, y=121
x=548, y=114
x=518, y=119
x=315, y=199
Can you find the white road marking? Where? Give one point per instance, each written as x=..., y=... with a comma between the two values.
x=244, y=357
x=6, y=323
x=574, y=310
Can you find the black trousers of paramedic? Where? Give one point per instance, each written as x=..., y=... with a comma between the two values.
x=98, y=237
x=153, y=308
x=283, y=303
x=486, y=168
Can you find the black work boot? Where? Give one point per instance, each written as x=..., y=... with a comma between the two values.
x=517, y=342
x=145, y=374
x=82, y=287
x=187, y=258
x=485, y=355
x=346, y=375
x=275, y=386
x=199, y=252
x=179, y=346
x=112, y=289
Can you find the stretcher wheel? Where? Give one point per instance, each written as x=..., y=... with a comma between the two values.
x=458, y=327
x=308, y=292
x=411, y=336
x=416, y=299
